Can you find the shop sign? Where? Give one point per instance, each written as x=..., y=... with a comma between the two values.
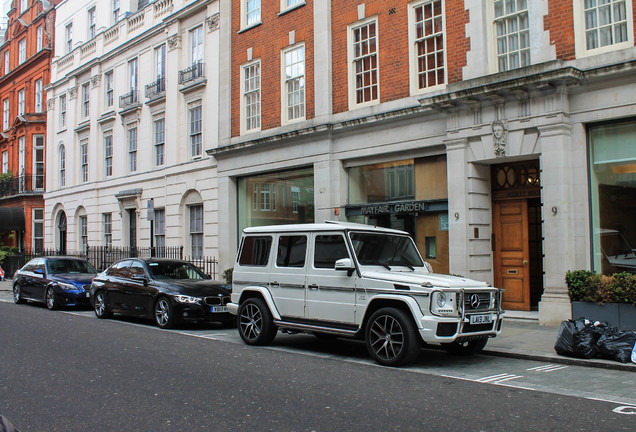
x=398, y=207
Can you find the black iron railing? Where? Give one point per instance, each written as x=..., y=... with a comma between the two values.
x=156, y=88
x=26, y=183
x=192, y=73
x=129, y=99
x=103, y=256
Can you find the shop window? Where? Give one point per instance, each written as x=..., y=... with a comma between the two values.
x=613, y=193
x=430, y=247
x=276, y=198
x=382, y=182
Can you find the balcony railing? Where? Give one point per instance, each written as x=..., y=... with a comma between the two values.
x=26, y=183
x=129, y=99
x=156, y=88
x=192, y=73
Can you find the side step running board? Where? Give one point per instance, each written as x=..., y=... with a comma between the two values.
x=314, y=328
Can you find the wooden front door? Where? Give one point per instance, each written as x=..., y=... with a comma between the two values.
x=511, y=252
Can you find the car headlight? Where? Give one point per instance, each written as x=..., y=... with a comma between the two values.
x=187, y=299
x=67, y=287
x=443, y=303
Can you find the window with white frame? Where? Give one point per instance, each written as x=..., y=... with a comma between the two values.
x=21, y=101
x=295, y=196
x=288, y=4
x=5, y=114
x=22, y=160
x=68, y=33
x=513, y=34
x=251, y=12
x=251, y=84
x=38, y=230
x=22, y=51
x=196, y=45
x=115, y=13
x=62, y=160
x=38, y=96
x=294, y=76
x=108, y=88
x=196, y=132
x=160, y=228
x=62, y=111
x=83, y=232
x=84, y=160
x=108, y=154
x=5, y=162
x=91, y=23
x=196, y=230
x=133, y=67
x=107, y=219
x=428, y=48
x=86, y=100
x=160, y=61
x=364, y=63
x=38, y=162
x=23, y=6
x=608, y=23
x=39, y=36
x=132, y=149
x=160, y=141
x=7, y=67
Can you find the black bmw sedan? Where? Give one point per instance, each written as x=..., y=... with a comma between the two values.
x=168, y=291
x=56, y=281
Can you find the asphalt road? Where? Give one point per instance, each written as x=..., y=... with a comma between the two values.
x=71, y=372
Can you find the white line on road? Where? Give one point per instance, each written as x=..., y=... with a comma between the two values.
x=497, y=379
x=547, y=368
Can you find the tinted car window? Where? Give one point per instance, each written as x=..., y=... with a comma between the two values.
x=329, y=249
x=60, y=265
x=28, y=267
x=119, y=269
x=38, y=264
x=137, y=269
x=291, y=251
x=255, y=251
x=174, y=270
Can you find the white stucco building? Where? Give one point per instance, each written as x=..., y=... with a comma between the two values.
x=133, y=98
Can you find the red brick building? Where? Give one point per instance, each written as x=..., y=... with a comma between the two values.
x=25, y=62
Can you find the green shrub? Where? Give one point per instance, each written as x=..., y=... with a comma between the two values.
x=227, y=275
x=586, y=286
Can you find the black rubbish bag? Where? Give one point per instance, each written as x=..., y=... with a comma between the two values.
x=617, y=346
x=577, y=338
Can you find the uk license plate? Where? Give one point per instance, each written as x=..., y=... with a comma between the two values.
x=481, y=319
x=217, y=309
x=88, y=295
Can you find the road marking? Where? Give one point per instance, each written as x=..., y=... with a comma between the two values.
x=628, y=410
x=547, y=368
x=498, y=379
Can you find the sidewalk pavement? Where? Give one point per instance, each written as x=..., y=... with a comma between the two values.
x=522, y=337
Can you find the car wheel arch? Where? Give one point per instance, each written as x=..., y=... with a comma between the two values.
x=383, y=302
x=264, y=295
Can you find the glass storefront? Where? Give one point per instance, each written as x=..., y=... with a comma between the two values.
x=276, y=198
x=410, y=195
x=613, y=196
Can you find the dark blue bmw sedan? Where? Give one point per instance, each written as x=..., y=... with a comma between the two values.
x=55, y=281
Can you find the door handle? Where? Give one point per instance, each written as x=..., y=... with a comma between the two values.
x=275, y=284
x=313, y=287
x=525, y=262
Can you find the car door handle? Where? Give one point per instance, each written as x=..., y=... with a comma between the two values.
x=313, y=287
x=275, y=284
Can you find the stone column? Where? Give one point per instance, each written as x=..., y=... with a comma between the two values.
x=456, y=159
x=558, y=220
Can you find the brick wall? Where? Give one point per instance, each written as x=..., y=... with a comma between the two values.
x=267, y=40
x=560, y=23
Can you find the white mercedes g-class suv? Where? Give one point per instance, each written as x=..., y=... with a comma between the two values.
x=353, y=280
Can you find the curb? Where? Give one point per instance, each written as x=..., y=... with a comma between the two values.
x=596, y=363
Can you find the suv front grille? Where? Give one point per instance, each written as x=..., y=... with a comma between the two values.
x=216, y=301
x=476, y=301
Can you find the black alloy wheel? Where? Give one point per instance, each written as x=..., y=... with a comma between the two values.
x=466, y=348
x=163, y=313
x=17, y=295
x=391, y=337
x=51, y=300
x=255, y=323
x=100, y=305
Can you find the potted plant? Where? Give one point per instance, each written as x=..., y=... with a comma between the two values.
x=597, y=297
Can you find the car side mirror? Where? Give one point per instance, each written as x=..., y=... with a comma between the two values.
x=345, y=264
x=140, y=277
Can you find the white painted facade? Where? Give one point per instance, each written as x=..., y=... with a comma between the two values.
x=184, y=179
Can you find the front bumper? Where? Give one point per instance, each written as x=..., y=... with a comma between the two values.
x=200, y=313
x=79, y=297
x=435, y=329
